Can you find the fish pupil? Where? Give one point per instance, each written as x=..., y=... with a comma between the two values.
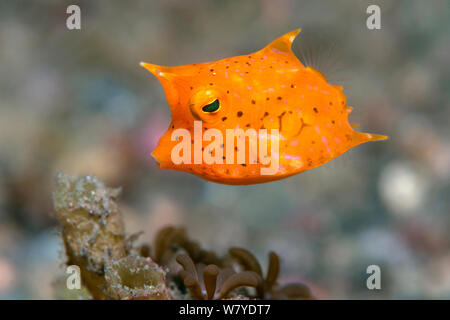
x=212, y=107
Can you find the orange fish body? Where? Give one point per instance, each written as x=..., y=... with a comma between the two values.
x=266, y=90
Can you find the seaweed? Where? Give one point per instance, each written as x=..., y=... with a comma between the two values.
x=135, y=278
x=268, y=288
x=169, y=240
x=212, y=283
x=112, y=267
x=94, y=239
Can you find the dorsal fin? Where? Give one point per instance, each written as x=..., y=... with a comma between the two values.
x=283, y=43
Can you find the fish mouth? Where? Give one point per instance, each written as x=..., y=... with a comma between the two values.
x=156, y=158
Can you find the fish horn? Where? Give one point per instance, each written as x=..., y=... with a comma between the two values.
x=166, y=77
x=361, y=137
x=284, y=43
x=156, y=70
x=376, y=137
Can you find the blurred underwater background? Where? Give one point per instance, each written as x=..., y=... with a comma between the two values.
x=77, y=101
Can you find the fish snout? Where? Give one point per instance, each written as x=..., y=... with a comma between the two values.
x=158, y=155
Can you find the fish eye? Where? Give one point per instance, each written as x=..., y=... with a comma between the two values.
x=212, y=107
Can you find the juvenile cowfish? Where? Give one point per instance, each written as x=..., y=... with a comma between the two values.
x=299, y=120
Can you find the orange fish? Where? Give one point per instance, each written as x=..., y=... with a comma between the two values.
x=289, y=108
